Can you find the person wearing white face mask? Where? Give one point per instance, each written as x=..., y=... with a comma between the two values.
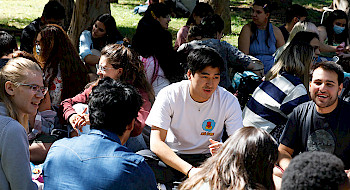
x=334, y=32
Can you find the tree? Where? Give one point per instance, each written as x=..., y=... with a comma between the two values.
x=68, y=6
x=222, y=8
x=84, y=14
x=280, y=8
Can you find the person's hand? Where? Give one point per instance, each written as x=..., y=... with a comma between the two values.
x=194, y=171
x=347, y=173
x=79, y=120
x=214, y=147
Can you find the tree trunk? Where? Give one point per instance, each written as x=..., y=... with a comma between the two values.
x=84, y=14
x=222, y=8
x=280, y=8
x=68, y=6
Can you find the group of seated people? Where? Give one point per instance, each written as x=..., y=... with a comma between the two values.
x=141, y=114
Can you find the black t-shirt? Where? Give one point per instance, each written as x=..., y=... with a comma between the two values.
x=28, y=35
x=308, y=130
x=284, y=32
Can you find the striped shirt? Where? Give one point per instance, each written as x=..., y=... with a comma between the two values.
x=273, y=101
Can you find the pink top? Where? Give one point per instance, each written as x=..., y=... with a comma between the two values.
x=83, y=97
x=181, y=36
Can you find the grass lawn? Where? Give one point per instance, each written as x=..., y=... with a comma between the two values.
x=16, y=14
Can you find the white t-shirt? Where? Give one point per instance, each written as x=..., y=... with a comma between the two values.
x=190, y=124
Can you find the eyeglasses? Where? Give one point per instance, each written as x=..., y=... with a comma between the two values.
x=103, y=69
x=36, y=88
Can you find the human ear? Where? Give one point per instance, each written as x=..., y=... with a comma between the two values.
x=189, y=73
x=340, y=89
x=10, y=88
x=130, y=127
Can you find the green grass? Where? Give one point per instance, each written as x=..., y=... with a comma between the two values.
x=16, y=14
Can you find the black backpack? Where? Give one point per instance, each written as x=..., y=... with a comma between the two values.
x=246, y=86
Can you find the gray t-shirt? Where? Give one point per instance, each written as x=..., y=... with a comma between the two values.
x=308, y=130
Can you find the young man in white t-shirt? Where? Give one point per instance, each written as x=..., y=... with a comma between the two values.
x=187, y=114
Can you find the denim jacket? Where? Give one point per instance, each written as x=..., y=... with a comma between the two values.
x=95, y=161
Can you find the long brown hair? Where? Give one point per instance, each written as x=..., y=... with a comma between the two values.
x=58, y=51
x=245, y=161
x=121, y=56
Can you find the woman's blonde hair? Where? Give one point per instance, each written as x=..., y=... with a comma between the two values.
x=295, y=59
x=16, y=71
x=298, y=27
x=245, y=161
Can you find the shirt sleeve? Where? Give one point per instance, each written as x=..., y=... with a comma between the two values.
x=160, y=114
x=181, y=37
x=290, y=133
x=15, y=162
x=85, y=43
x=236, y=57
x=142, y=114
x=234, y=115
x=67, y=104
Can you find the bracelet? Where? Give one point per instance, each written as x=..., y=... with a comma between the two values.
x=189, y=171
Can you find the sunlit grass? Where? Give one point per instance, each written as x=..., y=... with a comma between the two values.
x=19, y=13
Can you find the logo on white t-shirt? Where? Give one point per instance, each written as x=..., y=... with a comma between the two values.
x=208, y=125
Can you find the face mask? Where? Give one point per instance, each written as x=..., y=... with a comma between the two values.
x=38, y=49
x=337, y=29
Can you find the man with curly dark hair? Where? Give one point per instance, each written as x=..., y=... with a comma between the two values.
x=315, y=170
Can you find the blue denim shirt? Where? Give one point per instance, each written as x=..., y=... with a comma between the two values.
x=95, y=161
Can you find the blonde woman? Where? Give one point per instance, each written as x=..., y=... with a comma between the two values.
x=21, y=90
x=283, y=88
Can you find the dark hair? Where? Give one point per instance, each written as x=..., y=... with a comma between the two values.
x=151, y=39
x=202, y=10
x=120, y=56
x=245, y=161
x=314, y=170
x=295, y=11
x=304, y=36
x=194, y=33
x=329, y=66
x=158, y=10
x=198, y=59
x=54, y=10
x=328, y=23
x=112, y=33
x=57, y=51
x=210, y=25
x=267, y=7
x=113, y=105
x=7, y=43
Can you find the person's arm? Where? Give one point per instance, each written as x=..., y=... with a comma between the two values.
x=322, y=33
x=181, y=36
x=85, y=44
x=279, y=37
x=14, y=151
x=67, y=104
x=284, y=156
x=164, y=152
x=244, y=39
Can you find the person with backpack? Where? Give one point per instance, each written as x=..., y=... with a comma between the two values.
x=283, y=89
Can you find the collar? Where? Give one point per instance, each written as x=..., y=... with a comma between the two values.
x=106, y=134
